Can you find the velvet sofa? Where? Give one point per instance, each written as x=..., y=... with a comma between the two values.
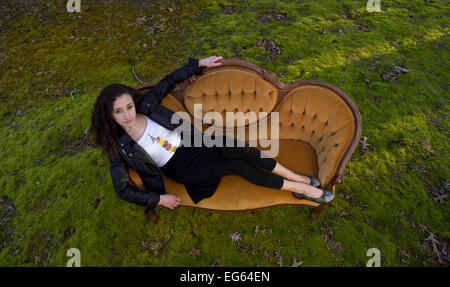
x=318, y=129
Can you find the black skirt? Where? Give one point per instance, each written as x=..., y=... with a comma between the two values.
x=198, y=168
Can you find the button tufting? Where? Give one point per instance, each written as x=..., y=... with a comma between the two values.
x=303, y=113
x=130, y=154
x=303, y=127
x=314, y=132
x=292, y=124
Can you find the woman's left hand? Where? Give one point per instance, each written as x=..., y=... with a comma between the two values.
x=210, y=61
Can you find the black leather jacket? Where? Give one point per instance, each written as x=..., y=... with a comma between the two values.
x=134, y=156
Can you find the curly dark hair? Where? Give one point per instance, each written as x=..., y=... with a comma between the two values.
x=103, y=126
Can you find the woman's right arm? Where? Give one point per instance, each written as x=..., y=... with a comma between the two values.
x=120, y=176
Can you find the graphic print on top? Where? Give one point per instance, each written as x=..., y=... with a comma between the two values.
x=159, y=142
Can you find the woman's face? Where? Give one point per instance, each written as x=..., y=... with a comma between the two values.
x=124, y=112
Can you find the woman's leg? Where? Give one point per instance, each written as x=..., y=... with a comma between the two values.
x=253, y=156
x=289, y=174
x=302, y=188
x=260, y=177
x=237, y=166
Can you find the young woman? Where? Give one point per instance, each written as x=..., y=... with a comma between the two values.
x=136, y=131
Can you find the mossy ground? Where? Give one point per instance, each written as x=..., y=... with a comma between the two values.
x=59, y=185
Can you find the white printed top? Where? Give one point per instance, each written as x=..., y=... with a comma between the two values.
x=160, y=143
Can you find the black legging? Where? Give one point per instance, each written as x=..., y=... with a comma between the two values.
x=246, y=161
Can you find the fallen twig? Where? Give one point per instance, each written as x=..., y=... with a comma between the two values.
x=71, y=93
x=132, y=70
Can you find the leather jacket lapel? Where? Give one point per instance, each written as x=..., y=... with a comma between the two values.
x=131, y=148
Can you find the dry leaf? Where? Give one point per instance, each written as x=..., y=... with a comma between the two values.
x=235, y=236
x=364, y=146
x=295, y=263
x=267, y=256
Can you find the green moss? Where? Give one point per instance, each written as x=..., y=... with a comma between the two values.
x=65, y=199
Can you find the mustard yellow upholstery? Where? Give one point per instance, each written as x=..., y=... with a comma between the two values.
x=317, y=127
x=316, y=116
x=231, y=91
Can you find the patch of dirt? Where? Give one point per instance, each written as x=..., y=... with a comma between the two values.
x=41, y=250
x=271, y=18
x=439, y=195
x=96, y=202
x=69, y=232
x=330, y=244
x=7, y=211
x=157, y=247
x=77, y=145
x=290, y=60
x=271, y=47
x=394, y=73
x=230, y=10
x=436, y=248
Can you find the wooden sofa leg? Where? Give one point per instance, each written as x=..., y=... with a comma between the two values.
x=316, y=210
x=152, y=216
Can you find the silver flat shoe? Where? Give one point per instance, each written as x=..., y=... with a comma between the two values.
x=314, y=181
x=326, y=196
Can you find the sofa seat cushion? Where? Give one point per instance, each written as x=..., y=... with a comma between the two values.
x=235, y=193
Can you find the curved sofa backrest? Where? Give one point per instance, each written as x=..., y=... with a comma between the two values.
x=315, y=113
x=311, y=111
x=231, y=90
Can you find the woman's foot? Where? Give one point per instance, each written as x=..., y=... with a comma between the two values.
x=326, y=197
x=306, y=191
x=299, y=178
x=290, y=175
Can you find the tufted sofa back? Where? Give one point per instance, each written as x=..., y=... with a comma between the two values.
x=314, y=112
x=311, y=111
x=231, y=91
x=316, y=115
